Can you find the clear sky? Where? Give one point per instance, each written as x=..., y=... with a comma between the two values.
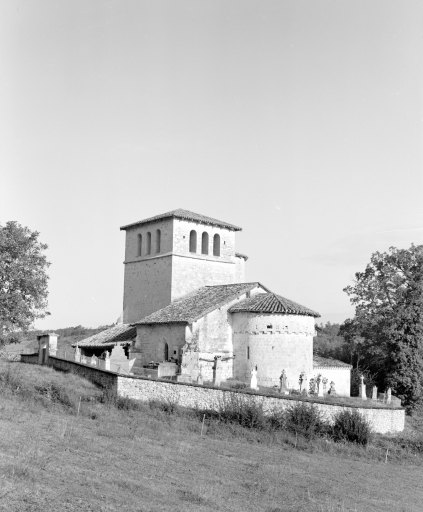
x=301, y=121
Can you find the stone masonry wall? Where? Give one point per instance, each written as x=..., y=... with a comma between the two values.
x=187, y=395
x=382, y=420
x=103, y=378
x=274, y=343
x=151, y=339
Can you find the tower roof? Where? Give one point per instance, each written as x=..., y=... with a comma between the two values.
x=185, y=215
x=271, y=303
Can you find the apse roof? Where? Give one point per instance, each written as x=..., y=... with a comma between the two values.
x=185, y=215
x=271, y=303
x=197, y=304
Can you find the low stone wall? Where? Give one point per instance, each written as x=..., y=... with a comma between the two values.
x=383, y=420
x=29, y=358
x=102, y=378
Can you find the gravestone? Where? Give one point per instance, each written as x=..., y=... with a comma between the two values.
x=374, y=393
x=332, y=390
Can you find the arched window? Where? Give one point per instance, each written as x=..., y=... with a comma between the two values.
x=158, y=240
x=193, y=241
x=149, y=243
x=205, y=243
x=139, y=250
x=216, y=245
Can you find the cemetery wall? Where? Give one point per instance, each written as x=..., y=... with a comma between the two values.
x=383, y=420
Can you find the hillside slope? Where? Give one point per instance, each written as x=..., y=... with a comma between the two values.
x=61, y=450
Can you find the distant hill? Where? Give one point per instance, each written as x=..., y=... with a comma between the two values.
x=67, y=335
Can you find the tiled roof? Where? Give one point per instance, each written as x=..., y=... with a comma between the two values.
x=109, y=337
x=197, y=304
x=186, y=215
x=325, y=362
x=271, y=303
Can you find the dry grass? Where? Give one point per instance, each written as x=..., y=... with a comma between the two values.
x=147, y=459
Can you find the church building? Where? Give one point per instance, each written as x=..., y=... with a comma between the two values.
x=187, y=309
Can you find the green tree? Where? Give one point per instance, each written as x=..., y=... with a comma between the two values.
x=23, y=279
x=387, y=331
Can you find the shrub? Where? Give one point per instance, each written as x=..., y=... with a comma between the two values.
x=235, y=384
x=243, y=410
x=350, y=425
x=306, y=420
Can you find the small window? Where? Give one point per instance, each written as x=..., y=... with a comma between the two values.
x=166, y=351
x=149, y=243
x=270, y=326
x=205, y=243
x=216, y=245
x=248, y=352
x=193, y=241
x=139, y=250
x=158, y=240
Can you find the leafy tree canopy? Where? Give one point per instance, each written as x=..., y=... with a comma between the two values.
x=23, y=278
x=386, y=334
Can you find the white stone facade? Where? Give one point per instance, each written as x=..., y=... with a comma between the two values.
x=273, y=343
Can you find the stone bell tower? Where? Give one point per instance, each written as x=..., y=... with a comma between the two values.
x=175, y=253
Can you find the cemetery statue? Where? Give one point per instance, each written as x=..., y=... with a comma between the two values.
x=363, y=394
x=283, y=388
x=301, y=380
x=253, y=383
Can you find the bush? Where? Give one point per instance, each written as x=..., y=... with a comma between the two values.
x=306, y=420
x=351, y=426
x=234, y=384
x=243, y=410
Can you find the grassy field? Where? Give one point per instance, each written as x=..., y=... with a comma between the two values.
x=62, y=449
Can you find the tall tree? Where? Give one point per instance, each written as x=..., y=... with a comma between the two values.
x=23, y=278
x=388, y=324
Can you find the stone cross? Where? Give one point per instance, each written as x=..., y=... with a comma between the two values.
x=200, y=376
x=332, y=390
x=389, y=396
x=217, y=377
